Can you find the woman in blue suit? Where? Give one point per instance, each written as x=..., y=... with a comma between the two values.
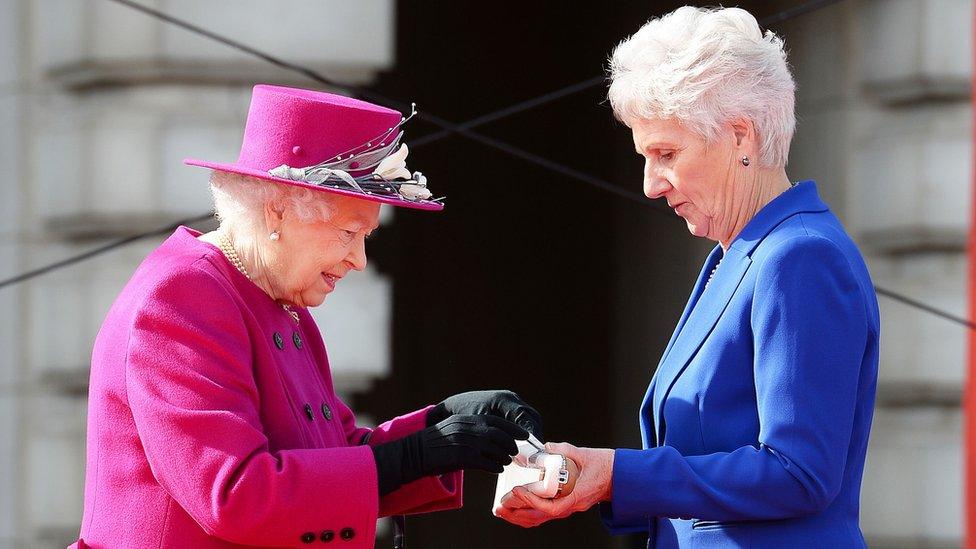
x=756, y=423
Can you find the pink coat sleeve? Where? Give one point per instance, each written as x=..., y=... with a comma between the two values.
x=195, y=406
x=421, y=496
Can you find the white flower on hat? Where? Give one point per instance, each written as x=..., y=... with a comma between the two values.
x=416, y=188
x=414, y=192
x=394, y=166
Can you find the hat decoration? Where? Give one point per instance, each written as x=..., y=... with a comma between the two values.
x=329, y=143
x=389, y=175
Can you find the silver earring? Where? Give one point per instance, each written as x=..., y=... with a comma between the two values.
x=275, y=235
x=745, y=160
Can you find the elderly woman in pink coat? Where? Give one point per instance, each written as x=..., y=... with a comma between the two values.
x=213, y=422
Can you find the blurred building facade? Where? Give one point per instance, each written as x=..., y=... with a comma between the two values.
x=99, y=104
x=885, y=123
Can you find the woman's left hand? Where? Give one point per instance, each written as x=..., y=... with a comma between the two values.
x=501, y=403
x=523, y=508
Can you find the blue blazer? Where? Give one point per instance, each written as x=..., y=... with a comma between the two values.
x=755, y=425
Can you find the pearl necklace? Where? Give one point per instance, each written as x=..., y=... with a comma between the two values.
x=231, y=253
x=711, y=274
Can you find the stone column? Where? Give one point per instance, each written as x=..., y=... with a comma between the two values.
x=884, y=125
x=12, y=325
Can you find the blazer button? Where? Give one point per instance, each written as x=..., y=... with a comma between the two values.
x=308, y=411
x=327, y=536
x=279, y=341
x=297, y=338
x=326, y=412
x=347, y=534
x=308, y=537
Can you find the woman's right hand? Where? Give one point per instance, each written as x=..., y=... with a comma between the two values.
x=459, y=442
x=595, y=484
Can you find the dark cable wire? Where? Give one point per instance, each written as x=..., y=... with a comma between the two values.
x=510, y=110
x=927, y=308
x=101, y=250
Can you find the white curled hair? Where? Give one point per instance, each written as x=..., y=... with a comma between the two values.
x=239, y=202
x=705, y=67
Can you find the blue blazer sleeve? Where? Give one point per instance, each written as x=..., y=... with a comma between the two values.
x=809, y=326
x=630, y=523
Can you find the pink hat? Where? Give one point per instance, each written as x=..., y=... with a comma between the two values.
x=329, y=143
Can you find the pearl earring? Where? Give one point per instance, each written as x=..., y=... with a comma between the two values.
x=745, y=160
x=275, y=235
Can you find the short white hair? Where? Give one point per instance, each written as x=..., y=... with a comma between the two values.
x=239, y=203
x=705, y=67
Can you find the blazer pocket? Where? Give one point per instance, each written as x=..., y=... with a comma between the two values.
x=698, y=524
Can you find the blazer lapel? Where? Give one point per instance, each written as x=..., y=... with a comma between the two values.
x=698, y=323
x=713, y=258
x=648, y=431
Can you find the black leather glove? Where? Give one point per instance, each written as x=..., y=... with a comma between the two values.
x=504, y=404
x=459, y=442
